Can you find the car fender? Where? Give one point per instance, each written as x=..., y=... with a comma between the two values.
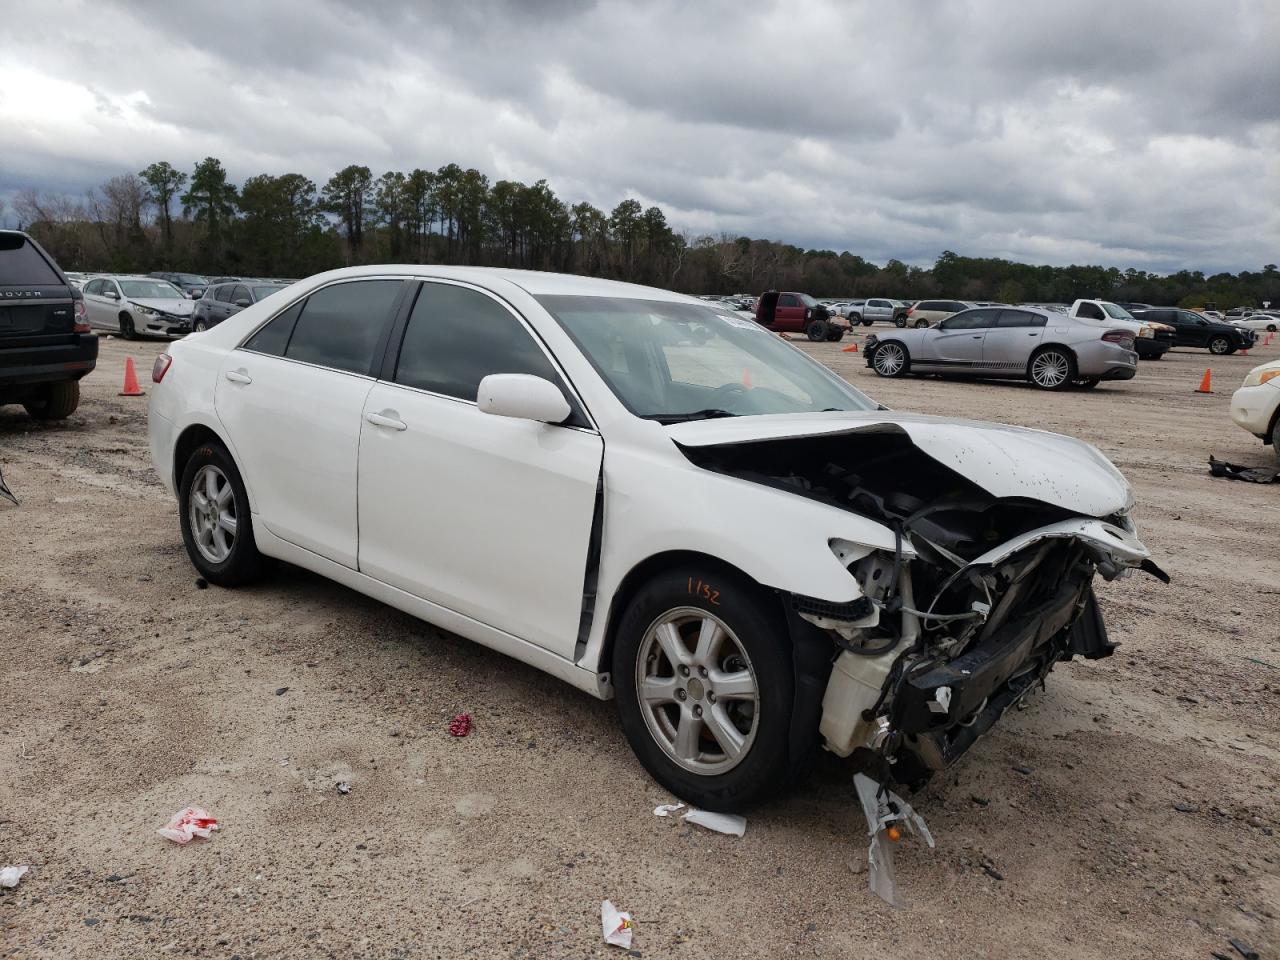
x=657, y=505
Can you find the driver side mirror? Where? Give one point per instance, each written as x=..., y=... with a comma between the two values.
x=111, y=295
x=522, y=396
x=242, y=302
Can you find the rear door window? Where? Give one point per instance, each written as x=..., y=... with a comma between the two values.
x=970, y=320
x=342, y=325
x=456, y=337
x=274, y=337
x=21, y=263
x=1019, y=318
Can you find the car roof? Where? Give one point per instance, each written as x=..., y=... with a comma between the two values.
x=534, y=282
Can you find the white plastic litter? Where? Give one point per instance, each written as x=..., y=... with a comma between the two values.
x=187, y=823
x=9, y=876
x=882, y=808
x=616, y=924
x=729, y=823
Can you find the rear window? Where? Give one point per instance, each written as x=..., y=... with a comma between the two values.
x=21, y=263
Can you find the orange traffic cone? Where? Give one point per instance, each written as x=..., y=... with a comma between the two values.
x=851, y=348
x=131, y=388
x=1205, y=382
x=1244, y=352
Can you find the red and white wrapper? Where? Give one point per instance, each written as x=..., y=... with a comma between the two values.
x=187, y=823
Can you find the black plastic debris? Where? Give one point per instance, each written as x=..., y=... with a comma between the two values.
x=1243, y=949
x=202, y=583
x=281, y=691
x=1233, y=471
x=6, y=492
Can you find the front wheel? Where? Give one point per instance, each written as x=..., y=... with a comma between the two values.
x=217, y=526
x=1219, y=346
x=1052, y=369
x=899, y=321
x=890, y=359
x=127, y=331
x=200, y=326
x=836, y=334
x=921, y=323
x=817, y=331
x=705, y=688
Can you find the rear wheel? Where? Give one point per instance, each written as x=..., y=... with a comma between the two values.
x=817, y=330
x=704, y=683
x=127, y=331
x=217, y=526
x=56, y=401
x=891, y=359
x=1052, y=369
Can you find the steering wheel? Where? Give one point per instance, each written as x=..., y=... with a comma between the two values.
x=722, y=395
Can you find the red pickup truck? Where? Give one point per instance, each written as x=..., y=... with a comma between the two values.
x=789, y=312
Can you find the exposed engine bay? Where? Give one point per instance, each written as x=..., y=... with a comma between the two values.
x=981, y=598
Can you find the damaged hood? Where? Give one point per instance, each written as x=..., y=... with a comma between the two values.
x=1004, y=461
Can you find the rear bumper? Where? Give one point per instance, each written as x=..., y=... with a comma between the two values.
x=1120, y=373
x=48, y=363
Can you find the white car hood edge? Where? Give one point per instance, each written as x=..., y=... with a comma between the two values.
x=1003, y=460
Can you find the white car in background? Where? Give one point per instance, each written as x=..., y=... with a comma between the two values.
x=134, y=306
x=1256, y=405
x=1266, y=322
x=652, y=499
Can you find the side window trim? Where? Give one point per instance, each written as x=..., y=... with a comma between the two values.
x=395, y=340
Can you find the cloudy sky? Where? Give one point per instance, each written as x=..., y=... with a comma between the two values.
x=1135, y=133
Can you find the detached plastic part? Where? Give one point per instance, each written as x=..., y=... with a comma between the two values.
x=883, y=808
x=9, y=876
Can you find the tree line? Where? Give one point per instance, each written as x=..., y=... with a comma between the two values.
x=287, y=226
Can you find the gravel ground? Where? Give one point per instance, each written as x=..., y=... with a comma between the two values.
x=1130, y=811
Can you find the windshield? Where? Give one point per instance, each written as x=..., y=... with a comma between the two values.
x=266, y=291
x=681, y=361
x=154, y=289
x=1117, y=312
x=809, y=301
x=193, y=279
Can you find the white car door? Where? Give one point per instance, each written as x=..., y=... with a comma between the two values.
x=292, y=398
x=488, y=516
x=100, y=309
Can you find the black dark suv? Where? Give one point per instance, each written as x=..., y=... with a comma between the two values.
x=45, y=343
x=1194, y=330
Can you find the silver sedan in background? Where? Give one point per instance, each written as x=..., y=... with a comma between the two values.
x=1049, y=349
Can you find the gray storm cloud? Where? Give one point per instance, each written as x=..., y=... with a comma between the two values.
x=1143, y=134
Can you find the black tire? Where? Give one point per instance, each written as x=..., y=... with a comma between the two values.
x=1065, y=366
x=57, y=401
x=244, y=563
x=836, y=334
x=899, y=321
x=1271, y=328
x=817, y=330
x=127, y=331
x=884, y=365
x=1219, y=345
x=756, y=622
x=1275, y=439
x=921, y=323
x=200, y=326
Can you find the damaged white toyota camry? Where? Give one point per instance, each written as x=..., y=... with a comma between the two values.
x=652, y=499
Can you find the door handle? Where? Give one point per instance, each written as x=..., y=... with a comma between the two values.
x=381, y=420
x=977, y=336
x=238, y=376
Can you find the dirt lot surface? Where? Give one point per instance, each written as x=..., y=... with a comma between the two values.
x=1132, y=810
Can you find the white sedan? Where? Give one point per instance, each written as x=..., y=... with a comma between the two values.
x=1256, y=405
x=653, y=500
x=1265, y=322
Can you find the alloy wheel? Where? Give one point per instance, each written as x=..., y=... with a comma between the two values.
x=889, y=360
x=1219, y=345
x=697, y=691
x=1049, y=369
x=211, y=508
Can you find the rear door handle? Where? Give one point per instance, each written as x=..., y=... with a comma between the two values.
x=238, y=376
x=381, y=420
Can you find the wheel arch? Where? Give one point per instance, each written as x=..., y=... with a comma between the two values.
x=191, y=439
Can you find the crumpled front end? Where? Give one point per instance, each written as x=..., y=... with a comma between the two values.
x=988, y=588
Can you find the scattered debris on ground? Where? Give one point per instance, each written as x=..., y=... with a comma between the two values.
x=460, y=725
x=616, y=925
x=188, y=823
x=9, y=876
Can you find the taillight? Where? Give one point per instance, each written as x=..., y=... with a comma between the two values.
x=160, y=367
x=82, y=318
x=1121, y=337
x=910, y=311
